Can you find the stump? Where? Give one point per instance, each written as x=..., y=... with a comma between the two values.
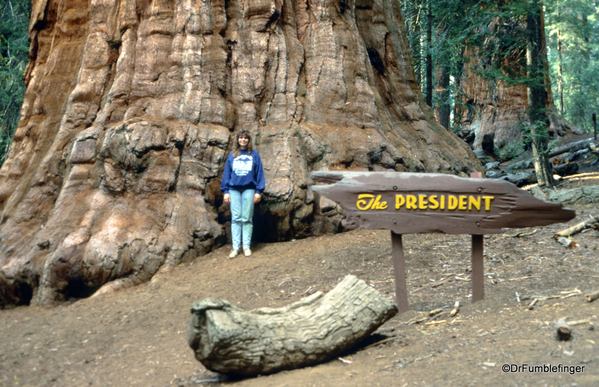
x=230, y=340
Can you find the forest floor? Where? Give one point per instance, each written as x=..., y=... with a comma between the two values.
x=138, y=336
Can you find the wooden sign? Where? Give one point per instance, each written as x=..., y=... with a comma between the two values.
x=408, y=203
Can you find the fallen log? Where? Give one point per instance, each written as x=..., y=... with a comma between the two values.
x=577, y=227
x=572, y=146
x=581, y=195
x=230, y=340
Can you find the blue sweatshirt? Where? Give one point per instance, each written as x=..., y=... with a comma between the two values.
x=243, y=172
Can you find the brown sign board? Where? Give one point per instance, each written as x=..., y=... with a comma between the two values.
x=408, y=203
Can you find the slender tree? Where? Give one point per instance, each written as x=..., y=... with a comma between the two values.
x=537, y=92
x=560, y=72
x=573, y=51
x=429, y=55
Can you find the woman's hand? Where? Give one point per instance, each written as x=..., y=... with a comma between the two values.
x=227, y=198
x=257, y=198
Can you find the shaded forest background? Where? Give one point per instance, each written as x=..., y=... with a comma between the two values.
x=441, y=34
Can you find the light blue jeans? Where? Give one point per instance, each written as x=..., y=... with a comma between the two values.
x=242, y=212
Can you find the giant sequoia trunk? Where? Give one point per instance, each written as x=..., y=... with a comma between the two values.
x=129, y=114
x=493, y=105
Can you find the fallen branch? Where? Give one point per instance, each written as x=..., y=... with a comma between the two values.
x=593, y=296
x=523, y=234
x=230, y=340
x=435, y=322
x=455, y=310
x=577, y=228
x=532, y=304
x=564, y=294
x=417, y=320
x=567, y=295
x=579, y=322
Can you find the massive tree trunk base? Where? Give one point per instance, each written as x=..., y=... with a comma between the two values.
x=131, y=110
x=230, y=340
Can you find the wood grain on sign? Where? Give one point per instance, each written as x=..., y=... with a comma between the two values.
x=408, y=203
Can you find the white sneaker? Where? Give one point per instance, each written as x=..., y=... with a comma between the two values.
x=247, y=252
x=234, y=253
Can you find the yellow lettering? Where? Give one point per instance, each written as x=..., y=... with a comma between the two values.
x=462, y=205
x=433, y=203
x=422, y=202
x=412, y=201
x=399, y=201
x=487, y=200
x=378, y=205
x=427, y=202
x=362, y=204
x=452, y=202
x=474, y=201
x=368, y=202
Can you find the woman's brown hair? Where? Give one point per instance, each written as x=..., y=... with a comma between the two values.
x=237, y=148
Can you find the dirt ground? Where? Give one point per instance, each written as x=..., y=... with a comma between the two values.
x=138, y=336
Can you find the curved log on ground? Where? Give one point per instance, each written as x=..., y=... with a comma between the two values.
x=230, y=340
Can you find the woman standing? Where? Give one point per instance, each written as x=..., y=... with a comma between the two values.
x=242, y=184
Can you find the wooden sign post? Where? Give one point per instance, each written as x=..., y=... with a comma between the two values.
x=409, y=203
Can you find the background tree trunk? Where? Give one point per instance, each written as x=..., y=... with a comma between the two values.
x=444, y=97
x=130, y=109
x=560, y=73
x=502, y=108
x=536, y=57
x=429, y=55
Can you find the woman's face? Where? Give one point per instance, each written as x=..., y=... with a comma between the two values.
x=243, y=141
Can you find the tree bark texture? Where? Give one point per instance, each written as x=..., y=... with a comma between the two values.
x=536, y=58
x=130, y=112
x=444, y=105
x=429, y=55
x=500, y=108
x=230, y=340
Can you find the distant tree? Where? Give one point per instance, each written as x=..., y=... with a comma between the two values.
x=414, y=13
x=572, y=29
x=538, y=91
x=437, y=32
x=14, y=46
